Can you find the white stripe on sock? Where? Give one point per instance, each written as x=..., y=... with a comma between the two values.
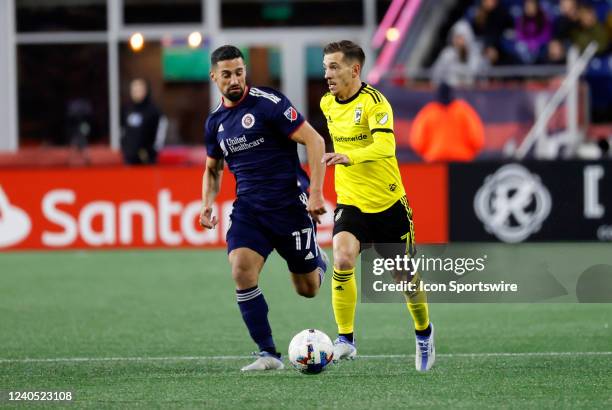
x=243, y=297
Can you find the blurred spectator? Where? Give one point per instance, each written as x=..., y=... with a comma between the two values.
x=555, y=53
x=590, y=30
x=604, y=145
x=533, y=31
x=79, y=127
x=459, y=62
x=609, y=25
x=567, y=21
x=489, y=24
x=447, y=129
x=141, y=124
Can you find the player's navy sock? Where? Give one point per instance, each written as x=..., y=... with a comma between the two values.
x=254, y=311
x=349, y=336
x=425, y=332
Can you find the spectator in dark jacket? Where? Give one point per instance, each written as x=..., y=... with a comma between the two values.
x=567, y=22
x=490, y=23
x=140, y=125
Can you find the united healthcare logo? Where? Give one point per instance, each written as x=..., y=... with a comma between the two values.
x=512, y=203
x=15, y=224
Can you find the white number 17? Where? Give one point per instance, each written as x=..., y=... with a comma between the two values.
x=298, y=238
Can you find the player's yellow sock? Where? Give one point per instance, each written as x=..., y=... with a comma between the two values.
x=417, y=305
x=344, y=299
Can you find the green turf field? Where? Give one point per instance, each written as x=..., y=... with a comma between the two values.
x=161, y=329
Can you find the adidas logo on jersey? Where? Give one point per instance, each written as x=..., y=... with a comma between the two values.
x=309, y=256
x=221, y=128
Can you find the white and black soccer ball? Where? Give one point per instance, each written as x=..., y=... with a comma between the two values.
x=310, y=351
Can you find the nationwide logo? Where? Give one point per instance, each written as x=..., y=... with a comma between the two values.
x=291, y=114
x=15, y=224
x=512, y=203
x=359, y=137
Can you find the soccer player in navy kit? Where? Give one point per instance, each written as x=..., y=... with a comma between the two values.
x=255, y=130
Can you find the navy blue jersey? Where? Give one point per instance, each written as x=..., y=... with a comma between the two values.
x=254, y=139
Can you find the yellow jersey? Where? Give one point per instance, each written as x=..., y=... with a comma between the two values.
x=362, y=128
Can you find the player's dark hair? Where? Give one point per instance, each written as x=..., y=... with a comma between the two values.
x=223, y=53
x=350, y=50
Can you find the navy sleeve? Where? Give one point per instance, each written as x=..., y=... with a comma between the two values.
x=210, y=135
x=285, y=116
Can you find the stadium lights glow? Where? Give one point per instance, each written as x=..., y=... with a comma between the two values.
x=136, y=42
x=393, y=34
x=194, y=39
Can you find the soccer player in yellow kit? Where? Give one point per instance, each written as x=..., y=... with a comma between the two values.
x=372, y=205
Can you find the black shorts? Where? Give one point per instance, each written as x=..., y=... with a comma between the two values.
x=393, y=225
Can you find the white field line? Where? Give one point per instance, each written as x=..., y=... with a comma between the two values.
x=369, y=357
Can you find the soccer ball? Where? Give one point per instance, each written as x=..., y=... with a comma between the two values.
x=310, y=351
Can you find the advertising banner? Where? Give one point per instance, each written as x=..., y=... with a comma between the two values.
x=533, y=201
x=152, y=207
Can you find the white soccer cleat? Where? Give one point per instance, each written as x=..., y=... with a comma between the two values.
x=325, y=259
x=343, y=349
x=425, y=351
x=265, y=361
x=323, y=255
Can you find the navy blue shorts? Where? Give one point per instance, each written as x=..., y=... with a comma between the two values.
x=290, y=231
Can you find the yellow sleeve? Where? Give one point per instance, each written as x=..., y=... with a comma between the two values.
x=380, y=122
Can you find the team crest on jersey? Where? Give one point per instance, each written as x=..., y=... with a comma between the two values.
x=291, y=114
x=382, y=118
x=357, y=116
x=248, y=120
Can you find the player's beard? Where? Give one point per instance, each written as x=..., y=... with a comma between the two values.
x=235, y=94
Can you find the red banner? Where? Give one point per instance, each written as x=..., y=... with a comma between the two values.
x=158, y=207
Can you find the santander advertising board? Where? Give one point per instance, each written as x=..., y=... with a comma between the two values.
x=113, y=208
x=158, y=207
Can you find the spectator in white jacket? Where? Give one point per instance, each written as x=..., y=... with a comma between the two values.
x=461, y=61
